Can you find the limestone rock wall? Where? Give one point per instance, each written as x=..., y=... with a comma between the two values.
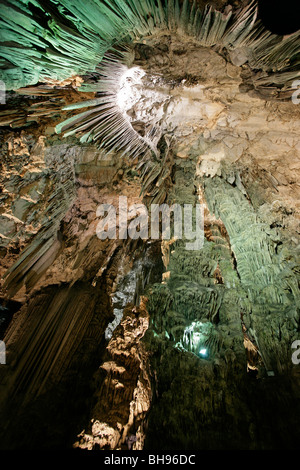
x=201, y=357
x=61, y=285
x=221, y=328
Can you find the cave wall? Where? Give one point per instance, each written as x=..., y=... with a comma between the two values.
x=61, y=285
x=230, y=397
x=200, y=354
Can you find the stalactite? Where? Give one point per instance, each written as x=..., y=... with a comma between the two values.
x=192, y=334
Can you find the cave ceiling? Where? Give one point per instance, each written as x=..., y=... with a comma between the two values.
x=164, y=102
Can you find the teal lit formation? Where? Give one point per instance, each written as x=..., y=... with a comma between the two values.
x=196, y=338
x=58, y=39
x=219, y=322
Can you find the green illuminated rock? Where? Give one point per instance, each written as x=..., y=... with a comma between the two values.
x=41, y=40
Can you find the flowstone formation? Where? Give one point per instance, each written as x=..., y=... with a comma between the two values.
x=146, y=344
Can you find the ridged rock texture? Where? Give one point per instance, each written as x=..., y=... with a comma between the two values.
x=145, y=344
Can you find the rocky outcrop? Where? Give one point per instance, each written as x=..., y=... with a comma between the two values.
x=124, y=394
x=63, y=283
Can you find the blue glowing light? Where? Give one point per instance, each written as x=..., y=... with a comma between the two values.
x=203, y=352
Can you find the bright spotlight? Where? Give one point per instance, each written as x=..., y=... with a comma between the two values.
x=127, y=96
x=203, y=352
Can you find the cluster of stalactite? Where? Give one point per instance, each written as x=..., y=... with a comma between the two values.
x=214, y=321
x=175, y=372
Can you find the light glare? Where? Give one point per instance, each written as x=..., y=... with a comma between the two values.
x=126, y=96
x=203, y=352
